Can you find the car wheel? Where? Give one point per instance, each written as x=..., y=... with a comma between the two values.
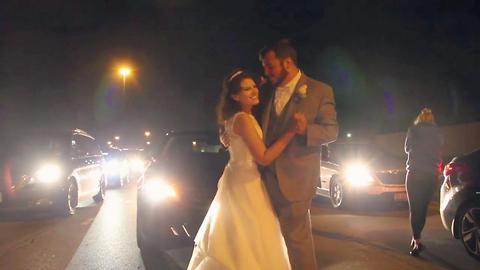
x=69, y=201
x=338, y=197
x=101, y=192
x=469, y=219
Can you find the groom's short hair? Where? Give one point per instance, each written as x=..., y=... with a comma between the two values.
x=282, y=49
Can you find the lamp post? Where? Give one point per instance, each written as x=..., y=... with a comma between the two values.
x=124, y=72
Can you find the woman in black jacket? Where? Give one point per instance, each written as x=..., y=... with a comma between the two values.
x=422, y=144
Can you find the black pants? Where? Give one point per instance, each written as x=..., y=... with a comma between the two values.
x=420, y=188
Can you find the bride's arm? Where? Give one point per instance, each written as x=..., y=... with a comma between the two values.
x=245, y=127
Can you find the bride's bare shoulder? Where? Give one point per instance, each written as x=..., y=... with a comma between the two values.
x=242, y=120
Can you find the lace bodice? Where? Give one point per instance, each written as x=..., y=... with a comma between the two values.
x=239, y=152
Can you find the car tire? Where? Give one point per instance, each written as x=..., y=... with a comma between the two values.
x=338, y=194
x=101, y=192
x=68, y=202
x=469, y=228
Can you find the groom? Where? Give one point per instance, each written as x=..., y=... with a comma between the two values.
x=292, y=177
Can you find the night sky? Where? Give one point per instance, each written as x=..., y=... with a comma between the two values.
x=384, y=59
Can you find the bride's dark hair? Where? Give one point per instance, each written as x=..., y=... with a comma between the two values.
x=227, y=106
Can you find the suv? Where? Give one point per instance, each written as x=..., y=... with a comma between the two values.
x=53, y=170
x=350, y=171
x=460, y=201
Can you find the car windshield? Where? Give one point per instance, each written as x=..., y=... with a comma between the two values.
x=192, y=155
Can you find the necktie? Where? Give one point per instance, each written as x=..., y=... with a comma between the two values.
x=280, y=96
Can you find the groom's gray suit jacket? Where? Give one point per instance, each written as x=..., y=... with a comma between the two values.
x=298, y=167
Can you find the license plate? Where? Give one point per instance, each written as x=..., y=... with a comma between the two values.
x=400, y=197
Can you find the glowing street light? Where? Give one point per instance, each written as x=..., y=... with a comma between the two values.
x=109, y=142
x=349, y=135
x=148, y=142
x=117, y=138
x=147, y=133
x=124, y=72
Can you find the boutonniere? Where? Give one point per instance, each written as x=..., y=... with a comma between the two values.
x=301, y=93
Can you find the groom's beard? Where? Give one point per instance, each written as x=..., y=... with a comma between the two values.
x=280, y=79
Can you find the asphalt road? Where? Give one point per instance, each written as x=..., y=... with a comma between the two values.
x=103, y=237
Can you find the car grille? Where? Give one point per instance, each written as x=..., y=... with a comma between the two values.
x=392, y=178
x=197, y=198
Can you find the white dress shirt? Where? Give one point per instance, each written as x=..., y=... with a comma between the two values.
x=283, y=93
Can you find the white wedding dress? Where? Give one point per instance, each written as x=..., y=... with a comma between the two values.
x=240, y=230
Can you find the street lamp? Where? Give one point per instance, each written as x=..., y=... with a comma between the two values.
x=117, y=138
x=124, y=72
x=147, y=133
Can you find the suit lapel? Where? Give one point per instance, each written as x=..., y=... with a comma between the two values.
x=266, y=112
x=293, y=104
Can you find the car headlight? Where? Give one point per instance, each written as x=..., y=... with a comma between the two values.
x=158, y=190
x=48, y=173
x=358, y=174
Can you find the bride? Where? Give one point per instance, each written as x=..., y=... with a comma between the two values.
x=241, y=230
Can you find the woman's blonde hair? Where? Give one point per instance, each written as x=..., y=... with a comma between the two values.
x=425, y=116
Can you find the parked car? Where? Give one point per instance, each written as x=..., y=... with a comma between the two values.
x=177, y=188
x=53, y=170
x=460, y=200
x=116, y=168
x=353, y=171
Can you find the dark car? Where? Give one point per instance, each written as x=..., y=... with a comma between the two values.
x=350, y=172
x=460, y=200
x=51, y=170
x=177, y=188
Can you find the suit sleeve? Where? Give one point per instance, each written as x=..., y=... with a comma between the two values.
x=324, y=128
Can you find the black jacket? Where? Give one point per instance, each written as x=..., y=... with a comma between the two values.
x=423, y=145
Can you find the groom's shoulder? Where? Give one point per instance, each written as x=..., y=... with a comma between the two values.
x=319, y=85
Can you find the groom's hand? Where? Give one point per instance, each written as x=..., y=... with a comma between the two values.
x=224, y=138
x=300, y=123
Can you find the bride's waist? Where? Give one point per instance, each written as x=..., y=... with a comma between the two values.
x=242, y=163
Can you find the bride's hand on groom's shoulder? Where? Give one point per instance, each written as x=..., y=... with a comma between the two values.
x=300, y=123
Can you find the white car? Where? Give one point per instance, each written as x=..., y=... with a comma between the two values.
x=352, y=171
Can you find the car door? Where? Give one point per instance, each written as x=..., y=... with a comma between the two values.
x=327, y=170
x=93, y=161
x=88, y=168
x=80, y=165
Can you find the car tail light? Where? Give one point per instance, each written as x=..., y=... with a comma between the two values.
x=454, y=168
x=451, y=168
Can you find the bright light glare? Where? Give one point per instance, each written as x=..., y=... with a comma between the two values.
x=157, y=190
x=48, y=173
x=124, y=71
x=115, y=167
x=137, y=164
x=358, y=174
